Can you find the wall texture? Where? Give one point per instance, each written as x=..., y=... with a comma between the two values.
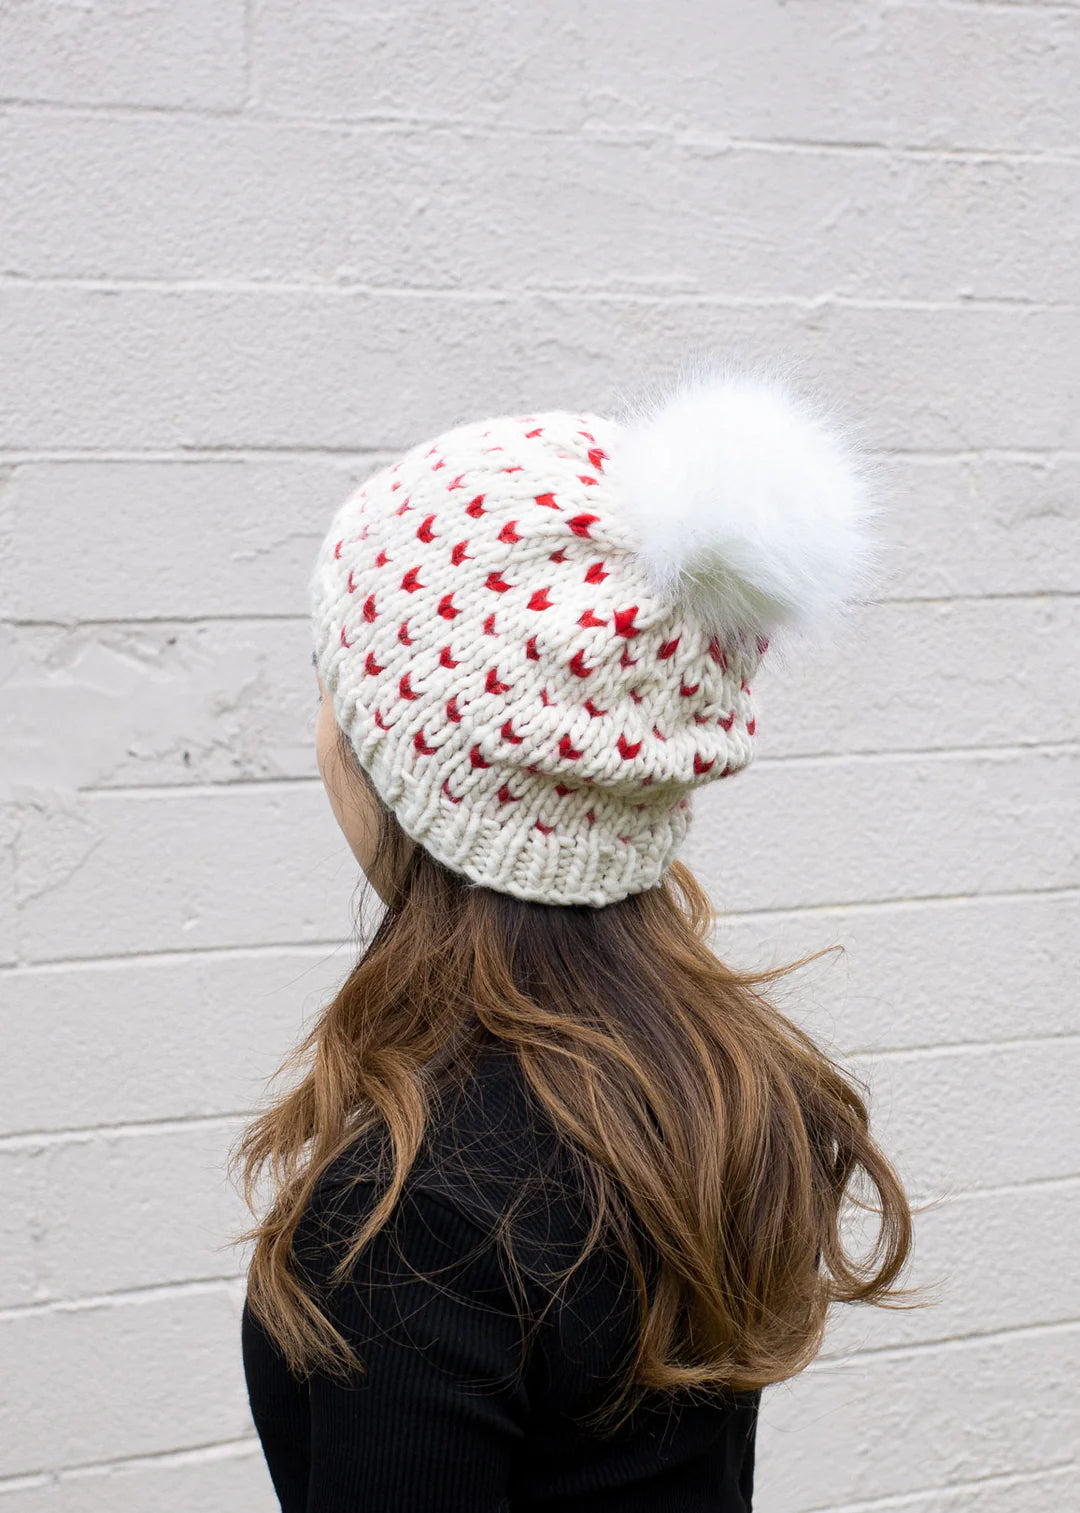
x=247, y=253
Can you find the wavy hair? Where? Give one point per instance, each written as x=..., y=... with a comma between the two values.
x=718, y=1144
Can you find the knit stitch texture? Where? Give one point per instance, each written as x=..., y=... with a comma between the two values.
x=527, y=706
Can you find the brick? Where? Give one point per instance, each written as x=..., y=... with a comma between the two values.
x=988, y=1261
x=820, y=832
x=869, y=1416
x=118, y=1036
x=9, y=825
x=229, y=1476
x=812, y=832
x=926, y=676
x=138, y=368
x=152, y=53
x=150, y=540
x=170, y=702
x=154, y=1372
x=19, y=1232
x=164, y=197
x=227, y=700
x=636, y=213
x=919, y=973
x=849, y=73
x=1022, y=508
x=939, y=1114
x=156, y=1200
x=139, y=872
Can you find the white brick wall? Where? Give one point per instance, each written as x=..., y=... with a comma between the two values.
x=250, y=250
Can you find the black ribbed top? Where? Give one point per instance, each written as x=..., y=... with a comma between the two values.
x=447, y=1417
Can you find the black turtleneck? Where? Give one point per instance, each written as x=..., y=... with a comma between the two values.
x=449, y=1415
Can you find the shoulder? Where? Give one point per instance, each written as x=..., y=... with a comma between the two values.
x=493, y=1178
x=494, y=1216
x=489, y=1151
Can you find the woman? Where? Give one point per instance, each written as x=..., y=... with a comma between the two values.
x=556, y=1192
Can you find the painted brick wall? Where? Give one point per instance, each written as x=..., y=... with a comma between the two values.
x=248, y=252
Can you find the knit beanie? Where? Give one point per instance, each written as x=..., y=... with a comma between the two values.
x=539, y=631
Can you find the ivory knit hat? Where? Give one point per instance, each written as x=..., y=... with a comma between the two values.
x=539, y=631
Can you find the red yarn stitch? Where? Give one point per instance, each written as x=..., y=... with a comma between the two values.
x=476, y=759
x=345, y=643
x=667, y=650
x=687, y=690
x=449, y=795
x=369, y=608
x=446, y=606
x=411, y=581
x=624, y=622
x=509, y=534
x=452, y=711
x=351, y=586
x=580, y=524
x=559, y=556
x=371, y=668
x=405, y=688
x=588, y=619
x=751, y=726
x=700, y=766
x=497, y=583
x=539, y=600
x=577, y=665
x=566, y=750
x=531, y=649
x=458, y=556
x=506, y=797
x=403, y=633
x=596, y=573
x=445, y=658
x=596, y=456
x=628, y=749
x=489, y=625
x=508, y=735
x=544, y=829
x=382, y=559
x=547, y=500
x=476, y=508
x=726, y=721
x=457, y=483
x=493, y=685
x=424, y=531
x=421, y=745
x=592, y=709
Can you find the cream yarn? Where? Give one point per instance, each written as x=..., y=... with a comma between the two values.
x=536, y=662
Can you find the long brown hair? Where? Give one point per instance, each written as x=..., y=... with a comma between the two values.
x=716, y=1141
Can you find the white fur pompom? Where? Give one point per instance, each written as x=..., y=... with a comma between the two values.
x=749, y=505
